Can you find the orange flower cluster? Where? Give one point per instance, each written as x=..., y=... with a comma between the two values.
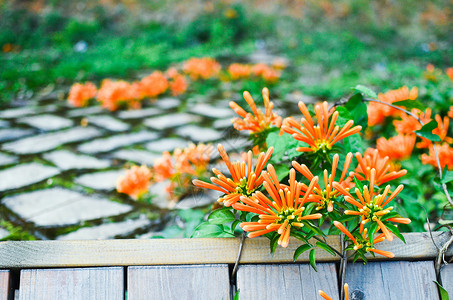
x=320, y=137
x=243, y=71
x=153, y=85
x=258, y=121
x=202, y=68
x=377, y=112
x=396, y=148
x=408, y=124
x=372, y=159
x=178, y=83
x=326, y=196
x=441, y=131
x=244, y=178
x=135, y=182
x=284, y=210
x=445, y=153
x=112, y=94
x=80, y=94
x=182, y=166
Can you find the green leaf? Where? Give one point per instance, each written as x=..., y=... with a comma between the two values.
x=358, y=185
x=313, y=259
x=313, y=228
x=235, y=223
x=206, y=229
x=448, y=176
x=372, y=231
x=358, y=110
x=426, y=132
x=443, y=292
x=301, y=249
x=353, y=144
x=221, y=216
x=366, y=91
x=282, y=171
x=395, y=231
x=274, y=243
x=343, y=116
x=326, y=247
x=284, y=145
x=236, y=296
x=410, y=104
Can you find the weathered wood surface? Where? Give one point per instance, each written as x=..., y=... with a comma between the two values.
x=286, y=281
x=392, y=280
x=178, y=282
x=72, y=284
x=186, y=251
x=4, y=284
x=446, y=274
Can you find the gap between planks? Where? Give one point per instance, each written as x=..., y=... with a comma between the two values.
x=41, y=254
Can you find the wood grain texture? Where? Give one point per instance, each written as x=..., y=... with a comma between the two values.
x=72, y=284
x=4, y=284
x=30, y=254
x=446, y=274
x=178, y=282
x=392, y=280
x=286, y=281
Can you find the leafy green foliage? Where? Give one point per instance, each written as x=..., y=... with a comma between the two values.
x=426, y=131
x=442, y=291
x=301, y=249
x=366, y=91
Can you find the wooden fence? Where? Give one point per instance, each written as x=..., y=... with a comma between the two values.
x=201, y=269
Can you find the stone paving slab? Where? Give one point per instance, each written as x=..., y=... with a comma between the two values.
x=6, y=159
x=116, y=141
x=168, y=103
x=199, y=134
x=85, y=111
x=197, y=200
x=139, y=113
x=171, y=121
x=8, y=134
x=107, y=231
x=47, y=122
x=18, y=112
x=223, y=123
x=214, y=112
x=105, y=181
x=166, y=144
x=109, y=123
x=61, y=207
x=49, y=141
x=139, y=156
x=67, y=160
x=4, y=124
x=23, y=175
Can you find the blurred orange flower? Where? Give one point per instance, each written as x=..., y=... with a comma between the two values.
x=408, y=124
x=163, y=167
x=283, y=211
x=202, y=68
x=113, y=93
x=178, y=85
x=374, y=160
x=396, y=148
x=80, y=94
x=239, y=71
x=320, y=137
x=257, y=121
x=135, y=182
x=445, y=153
x=450, y=112
x=441, y=131
x=154, y=84
x=267, y=73
x=244, y=178
x=449, y=72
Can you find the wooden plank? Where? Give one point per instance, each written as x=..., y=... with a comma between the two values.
x=286, y=281
x=4, y=284
x=446, y=274
x=30, y=254
x=392, y=280
x=178, y=282
x=72, y=284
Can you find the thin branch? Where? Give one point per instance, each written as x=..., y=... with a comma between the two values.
x=395, y=107
x=236, y=264
x=344, y=262
x=339, y=254
x=441, y=255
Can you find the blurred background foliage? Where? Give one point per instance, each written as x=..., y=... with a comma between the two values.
x=332, y=45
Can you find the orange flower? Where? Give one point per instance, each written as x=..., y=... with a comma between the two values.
x=450, y=112
x=377, y=111
x=325, y=197
x=193, y=160
x=397, y=148
x=81, y=93
x=449, y=72
x=135, y=182
x=373, y=160
x=257, y=121
x=245, y=179
x=408, y=124
x=163, y=167
x=320, y=137
x=154, y=84
x=283, y=211
x=346, y=293
x=202, y=68
x=178, y=85
x=238, y=71
x=267, y=73
x=113, y=93
x=445, y=153
x=371, y=207
x=441, y=131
